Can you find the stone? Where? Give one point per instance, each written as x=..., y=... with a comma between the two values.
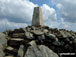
x=65, y=34
x=37, y=19
x=41, y=37
x=40, y=51
x=14, y=42
x=45, y=31
x=3, y=40
x=21, y=51
x=21, y=30
x=29, y=35
x=56, y=43
x=16, y=39
x=38, y=32
x=46, y=52
x=18, y=35
x=11, y=50
x=51, y=37
x=9, y=56
x=3, y=44
x=1, y=51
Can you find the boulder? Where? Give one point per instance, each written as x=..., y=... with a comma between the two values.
x=29, y=35
x=11, y=50
x=41, y=37
x=65, y=34
x=18, y=35
x=3, y=40
x=39, y=51
x=21, y=51
x=45, y=30
x=21, y=30
x=51, y=37
x=38, y=32
x=1, y=51
x=9, y=56
x=15, y=42
x=3, y=44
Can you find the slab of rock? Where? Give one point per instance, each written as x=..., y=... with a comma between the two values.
x=14, y=42
x=38, y=32
x=51, y=37
x=3, y=40
x=29, y=35
x=3, y=44
x=39, y=51
x=1, y=51
x=41, y=37
x=65, y=34
x=18, y=35
x=9, y=56
x=11, y=50
x=21, y=51
x=21, y=30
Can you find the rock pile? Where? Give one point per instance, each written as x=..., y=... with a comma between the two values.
x=37, y=42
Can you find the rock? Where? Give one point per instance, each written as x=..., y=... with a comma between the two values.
x=1, y=51
x=9, y=56
x=33, y=28
x=56, y=43
x=38, y=32
x=16, y=39
x=3, y=44
x=3, y=40
x=40, y=51
x=11, y=50
x=21, y=51
x=45, y=30
x=32, y=43
x=41, y=37
x=46, y=27
x=65, y=34
x=29, y=35
x=74, y=41
x=46, y=52
x=14, y=42
x=51, y=37
x=21, y=30
x=18, y=35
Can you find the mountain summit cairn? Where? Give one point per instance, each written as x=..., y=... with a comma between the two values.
x=37, y=19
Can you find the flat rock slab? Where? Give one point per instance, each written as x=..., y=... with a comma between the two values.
x=38, y=32
x=28, y=35
x=3, y=40
x=18, y=35
x=21, y=51
x=39, y=51
x=11, y=50
x=9, y=56
x=14, y=42
x=16, y=39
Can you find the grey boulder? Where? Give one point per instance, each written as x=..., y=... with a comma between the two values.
x=39, y=51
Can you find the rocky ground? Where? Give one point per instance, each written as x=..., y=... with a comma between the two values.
x=37, y=42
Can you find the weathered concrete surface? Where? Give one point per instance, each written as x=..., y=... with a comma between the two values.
x=37, y=19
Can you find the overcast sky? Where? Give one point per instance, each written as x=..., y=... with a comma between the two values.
x=56, y=13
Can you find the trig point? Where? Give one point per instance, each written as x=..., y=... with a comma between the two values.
x=37, y=19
